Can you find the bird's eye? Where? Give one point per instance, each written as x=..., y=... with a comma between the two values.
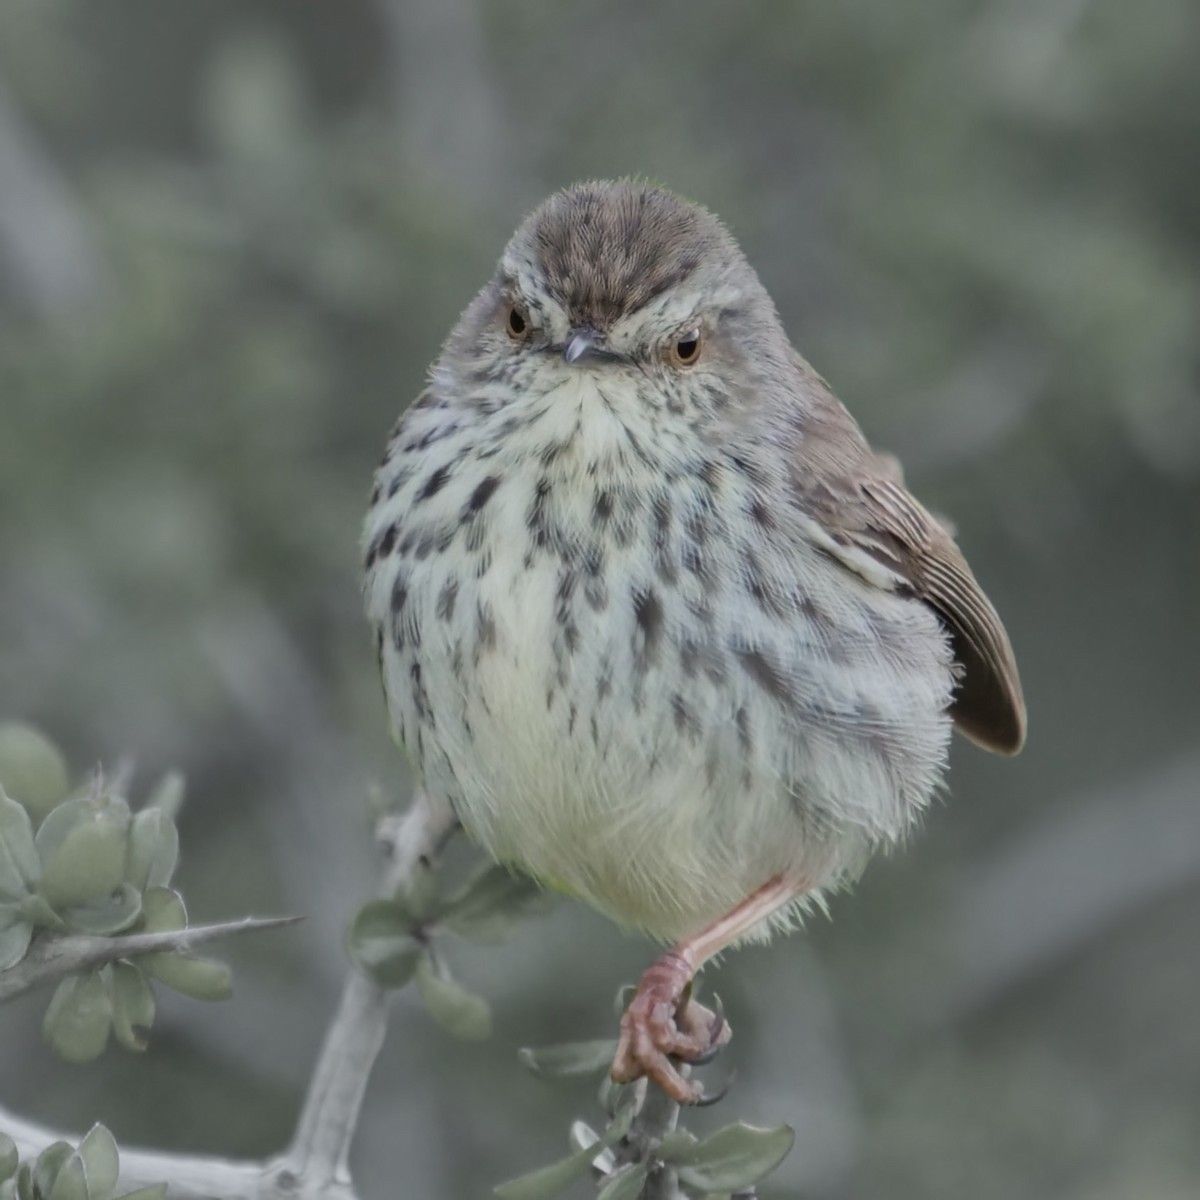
x=517, y=323
x=685, y=349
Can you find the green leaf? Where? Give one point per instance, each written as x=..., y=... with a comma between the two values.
x=491, y=904
x=14, y=943
x=8, y=1189
x=32, y=770
x=40, y=915
x=569, y=1058
x=20, y=866
x=153, y=849
x=71, y=1182
x=99, y=1153
x=200, y=978
x=167, y=795
x=729, y=1160
x=48, y=1165
x=550, y=1180
x=132, y=1005
x=25, y=1181
x=381, y=940
x=78, y=1018
x=106, y=915
x=625, y=1183
x=163, y=911
x=9, y=1159
x=458, y=1011
x=89, y=861
x=58, y=822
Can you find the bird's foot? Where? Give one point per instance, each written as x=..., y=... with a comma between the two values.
x=663, y=1022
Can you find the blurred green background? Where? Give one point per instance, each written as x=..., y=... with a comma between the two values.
x=232, y=236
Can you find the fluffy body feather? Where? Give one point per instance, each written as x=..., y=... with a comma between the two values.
x=652, y=634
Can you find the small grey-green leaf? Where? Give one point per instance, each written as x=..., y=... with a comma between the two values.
x=8, y=1189
x=58, y=822
x=455, y=1009
x=99, y=1153
x=582, y=1136
x=167, y=795
x=156, y=1191
x=25, y=1181
x=106, y=915
x=677, y=1142
x=132, y=1005
x=32, y=769
x=9, y=1159
x=489, y=906
x=625, y=1183
x=153, y=849
x=20, y=866
x=547, y=1181
x=48, y=1164
x=569, y=1058
x=731, y=1159
x=78, y=1018
x=550, y=1180
x=200, y=978
x=90, y=860
x=163, y=911
x=381, y=941
x=71, y=1182
x=14, y=942
x=40, y=915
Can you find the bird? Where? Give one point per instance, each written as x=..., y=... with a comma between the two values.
x=654, y=622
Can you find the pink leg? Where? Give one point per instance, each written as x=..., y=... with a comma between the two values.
x=663, y=1021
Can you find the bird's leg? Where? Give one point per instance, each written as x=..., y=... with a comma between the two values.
x=663, y=1021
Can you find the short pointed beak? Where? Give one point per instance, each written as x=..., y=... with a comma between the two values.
x=581, y=343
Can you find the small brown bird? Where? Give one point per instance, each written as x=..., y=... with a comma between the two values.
x=652, y=617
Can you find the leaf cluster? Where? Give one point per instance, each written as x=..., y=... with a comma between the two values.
x=393, y=939
x=86, y=865
x=725, y=1165
x=65, y=1172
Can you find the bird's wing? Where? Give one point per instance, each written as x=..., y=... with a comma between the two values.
x=859, y=501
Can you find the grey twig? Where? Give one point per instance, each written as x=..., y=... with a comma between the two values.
x=658, y=1116
x=52, y=957
x=315, y=1165
x=321, y=1146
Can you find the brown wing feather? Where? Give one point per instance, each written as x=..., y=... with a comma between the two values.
x=860, y=499
x=988, y=706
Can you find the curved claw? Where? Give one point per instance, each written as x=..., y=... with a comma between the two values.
x=708, y=1099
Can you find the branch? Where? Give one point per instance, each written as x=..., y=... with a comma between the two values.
x=321, y=1146
x=53, y=957
x=658, y=1117
x=315, y=1165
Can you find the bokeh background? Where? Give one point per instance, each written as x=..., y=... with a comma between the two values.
x=232, y=235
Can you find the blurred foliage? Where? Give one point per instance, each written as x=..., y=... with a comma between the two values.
x=231, y=239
